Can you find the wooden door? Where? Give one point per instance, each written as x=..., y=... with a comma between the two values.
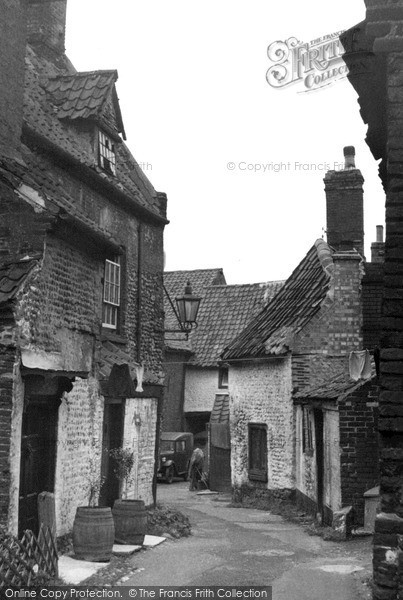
x=318, y=419
x=38, y=458
x=112, y=438
x=220, y=457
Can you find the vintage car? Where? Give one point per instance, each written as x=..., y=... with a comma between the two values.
x=175, y=451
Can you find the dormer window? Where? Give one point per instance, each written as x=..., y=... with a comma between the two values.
x=107, y=156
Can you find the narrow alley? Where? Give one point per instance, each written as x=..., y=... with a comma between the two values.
x=239, y=546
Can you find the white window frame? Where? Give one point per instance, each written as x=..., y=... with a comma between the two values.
x=107, y=155
x=111, y=293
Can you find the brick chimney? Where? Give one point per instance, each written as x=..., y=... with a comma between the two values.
x=345, y=206
x=47, y=24
x=12, y=52
x=378, y=247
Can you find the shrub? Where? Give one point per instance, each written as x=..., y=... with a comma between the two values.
x=166, y=519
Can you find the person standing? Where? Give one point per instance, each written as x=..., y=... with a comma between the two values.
x=195, y=472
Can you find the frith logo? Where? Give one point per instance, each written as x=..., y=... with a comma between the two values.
x=314, y=64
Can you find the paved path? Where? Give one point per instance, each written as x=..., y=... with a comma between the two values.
x=237, y=546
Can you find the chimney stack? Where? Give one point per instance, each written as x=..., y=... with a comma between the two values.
x=349, y=157
x=345, y=206
x=12, y=74
x=47, y=24
x=378, y=247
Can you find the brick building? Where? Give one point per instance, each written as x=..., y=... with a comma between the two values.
x=336, y=447
x=374, y=55
x=283, y=436
x=81, y=259
x=200, y=380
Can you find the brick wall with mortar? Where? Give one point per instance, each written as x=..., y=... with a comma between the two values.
x=321, y=347
x=261, y=393
x=60, y=311
x=7, y=360
x=141, y=438
x=372, y=295
x=359, y=452
x=345, y=213
x=64, y=300
x=12, y=51
x=144, y=338
x=46, y=24
x=382, y=33
x=22, y=229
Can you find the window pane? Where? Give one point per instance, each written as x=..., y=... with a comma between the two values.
x=111, y=294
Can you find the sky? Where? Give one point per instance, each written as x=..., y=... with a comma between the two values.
x=242, y=162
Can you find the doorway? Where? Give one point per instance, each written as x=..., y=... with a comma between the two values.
x=112, y=438
x=38, y=457
x=318, y=419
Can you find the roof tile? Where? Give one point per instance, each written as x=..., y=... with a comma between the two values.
x=13, y=275
x=272, y=331
x=339, y=386
x=61, y=95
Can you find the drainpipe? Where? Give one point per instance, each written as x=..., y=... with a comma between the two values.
x=139, y=288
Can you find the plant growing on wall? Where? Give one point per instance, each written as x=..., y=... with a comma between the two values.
x=124, y=461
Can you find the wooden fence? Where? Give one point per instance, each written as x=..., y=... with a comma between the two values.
x=31, y=561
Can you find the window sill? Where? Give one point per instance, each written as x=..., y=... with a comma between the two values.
x=255, y=475
x=111, y=336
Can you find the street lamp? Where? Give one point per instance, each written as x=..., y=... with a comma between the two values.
x=187, y=307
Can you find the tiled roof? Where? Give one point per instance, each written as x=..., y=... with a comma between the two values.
x=298, y=300
x=175, y=282
x=54, y=199
x=339, y=386
x=83, y=95
x=42, y=122
x=220, y=412
x=110, y=354
x=224, y=313
x=13, y=275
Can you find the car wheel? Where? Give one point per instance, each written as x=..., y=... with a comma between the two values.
x=169, y=474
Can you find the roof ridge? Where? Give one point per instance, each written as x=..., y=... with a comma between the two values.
x=238, y=285
x=325, y=253
x=295, y=303
x=85, y=74
x=194, y=270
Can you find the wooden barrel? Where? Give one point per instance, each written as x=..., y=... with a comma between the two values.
x=93, y=533
x=130, y=518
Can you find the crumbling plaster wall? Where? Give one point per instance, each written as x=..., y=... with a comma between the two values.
x=79, y=449
x=261, y=393
x=139, y=435
x=201, y=387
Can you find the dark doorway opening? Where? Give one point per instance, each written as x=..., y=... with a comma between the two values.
x=38, y=457
x=318, y=418
x=112, y=438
